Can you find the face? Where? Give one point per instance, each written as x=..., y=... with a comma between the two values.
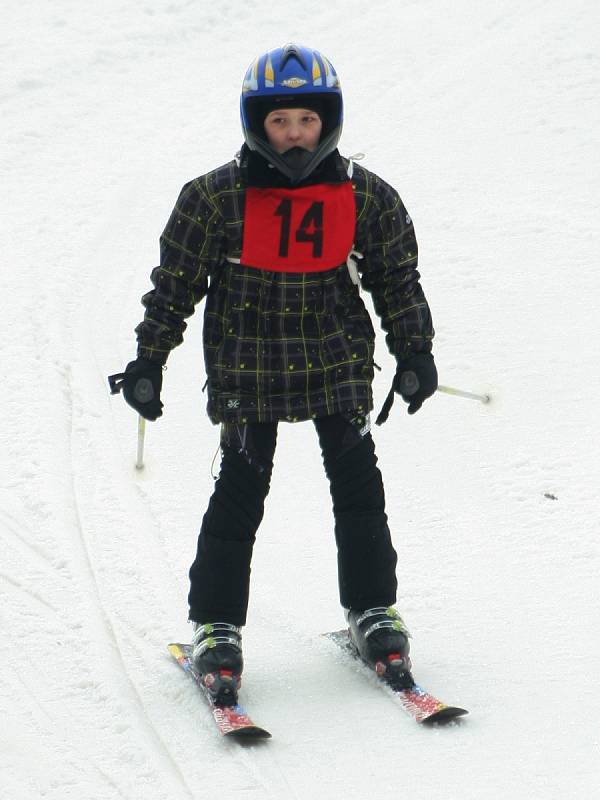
x=293, y=127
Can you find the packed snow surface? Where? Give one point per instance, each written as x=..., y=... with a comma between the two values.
x=485, y=117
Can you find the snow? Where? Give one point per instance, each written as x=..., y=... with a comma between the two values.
x=485, y=117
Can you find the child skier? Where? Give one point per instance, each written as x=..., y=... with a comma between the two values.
x=267, y=239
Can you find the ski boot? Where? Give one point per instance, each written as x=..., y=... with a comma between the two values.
x=381, y=638
x=217, y=655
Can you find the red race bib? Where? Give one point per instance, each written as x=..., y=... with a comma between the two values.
x=310, y=229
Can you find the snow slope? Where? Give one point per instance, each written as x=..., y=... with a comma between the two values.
x=485, y=117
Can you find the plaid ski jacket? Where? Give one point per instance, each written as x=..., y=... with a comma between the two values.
x=284, y=345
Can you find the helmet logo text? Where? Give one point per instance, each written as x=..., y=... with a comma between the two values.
x=293, y=83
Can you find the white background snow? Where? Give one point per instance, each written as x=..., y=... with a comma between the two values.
x=484, y=115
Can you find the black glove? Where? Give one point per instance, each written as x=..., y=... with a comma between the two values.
x=141, y=384
x=415, y=380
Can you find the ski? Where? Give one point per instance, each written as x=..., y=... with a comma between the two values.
x=416, y=701
x=231, y=721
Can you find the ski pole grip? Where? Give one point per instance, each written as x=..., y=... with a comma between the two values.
x=409, y=383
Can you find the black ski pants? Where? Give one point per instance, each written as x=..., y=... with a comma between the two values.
x=220, y=574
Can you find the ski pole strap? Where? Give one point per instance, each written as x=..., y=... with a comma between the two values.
x=116, y=382
x=385, y=409
x=409, y=385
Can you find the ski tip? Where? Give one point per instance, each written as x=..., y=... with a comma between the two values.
x=444, y=715
x=249, y=734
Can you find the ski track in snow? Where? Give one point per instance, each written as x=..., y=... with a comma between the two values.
x=107, y=634
x=487, y=122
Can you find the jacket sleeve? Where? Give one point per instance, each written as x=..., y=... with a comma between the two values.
x=389, y=273
x=190, y=248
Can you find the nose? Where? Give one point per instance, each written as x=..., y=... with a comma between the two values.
x=294, y=133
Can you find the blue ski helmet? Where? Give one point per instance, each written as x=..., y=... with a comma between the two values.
x=292, y=76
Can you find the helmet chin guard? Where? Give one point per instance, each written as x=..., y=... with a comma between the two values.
x=292, y=76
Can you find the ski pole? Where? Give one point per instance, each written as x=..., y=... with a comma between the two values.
x=139, y=464
x=409, y=384
x=143, y=392
x=483, y=398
